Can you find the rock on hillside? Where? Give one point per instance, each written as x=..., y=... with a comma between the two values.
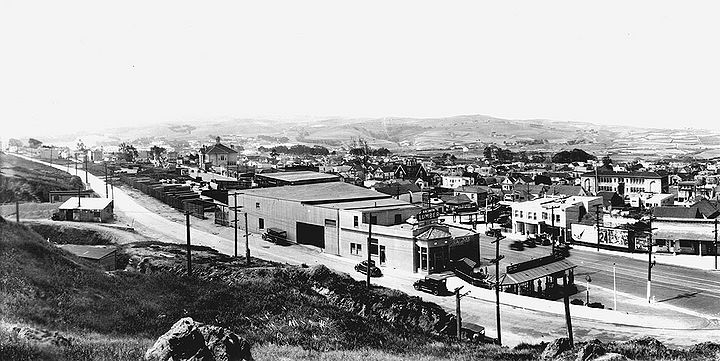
x=190, y=340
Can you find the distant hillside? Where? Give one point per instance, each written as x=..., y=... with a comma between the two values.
x=470, y=131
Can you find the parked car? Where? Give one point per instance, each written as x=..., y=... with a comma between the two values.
x=362, y=267
x=473, y=332
x=563, y=249
x=275, y=235
x=435, y=284
x=546, y=240
x=529, y=242
x=517, y=246
x=492, y=232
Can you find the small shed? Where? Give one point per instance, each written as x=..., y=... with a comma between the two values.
x=104, y=256
x=87, y=210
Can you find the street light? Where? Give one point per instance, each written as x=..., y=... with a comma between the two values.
x=587, y=289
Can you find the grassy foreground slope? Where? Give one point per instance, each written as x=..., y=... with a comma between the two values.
x=280, y=309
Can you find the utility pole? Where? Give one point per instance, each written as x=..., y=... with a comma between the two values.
x=715, y=248
x=498, y=257
x=187, y=227
x=106, y=181
x=235, y=221
x=17, y=210
x=552, y=222
x=458, y=315
x=247, y=241
x=650, y=261
x=86, y=170
x=598, y=222
x=51, y=155
x=76, y=164
x=566, y=300
x=369, y=241
x=614, y=290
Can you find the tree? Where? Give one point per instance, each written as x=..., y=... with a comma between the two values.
x=76, y=182
x=157, y=151
x=34, y=143
x=606, y=161
x=575, y=155
x=15, y=142
x=80, y=145
x=128, y=152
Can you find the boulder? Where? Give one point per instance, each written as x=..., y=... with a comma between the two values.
x=190, y=340
x=40, y=336
x=555, y=348
x=591, y=351
x=611, y=357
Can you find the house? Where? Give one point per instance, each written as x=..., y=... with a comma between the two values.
x=217, y=155
x=103, y=256
x=384, y=172
x=625, y=183
x=412, y=172
x=396, y=188
x=611, y=200
x=553, y=215
x=477, y=194
x=60, y=196
x=87, y=210
x=455, y=181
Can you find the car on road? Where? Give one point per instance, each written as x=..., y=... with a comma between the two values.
x=275, y=235
x=546, y=240
x=435, y=284
x=492, y=232
x=530, y=242
x=472, y=332
x=563, y=249
x=362, y=267
x=517, y=246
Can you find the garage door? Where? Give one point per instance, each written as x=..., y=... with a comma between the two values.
x=310, y=234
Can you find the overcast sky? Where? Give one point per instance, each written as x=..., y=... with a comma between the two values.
x=66, y=65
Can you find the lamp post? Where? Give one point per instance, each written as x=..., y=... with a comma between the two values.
x=587, y=289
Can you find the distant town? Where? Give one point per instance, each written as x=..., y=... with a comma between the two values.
x=618, y=235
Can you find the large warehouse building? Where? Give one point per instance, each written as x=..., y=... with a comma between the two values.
x=336, y=216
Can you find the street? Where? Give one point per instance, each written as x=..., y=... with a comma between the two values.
x=518, y=324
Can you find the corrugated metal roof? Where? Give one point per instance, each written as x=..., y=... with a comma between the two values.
x=298, y=176
x=330, y=192
x=537, y=272
x=86, y=203
x=90, y=252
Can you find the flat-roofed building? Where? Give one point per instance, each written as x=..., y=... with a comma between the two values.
x=280, y=179
x=337, y=216
x=104, y=256
x=87, y=210
x=552, y=215
x=625, y=183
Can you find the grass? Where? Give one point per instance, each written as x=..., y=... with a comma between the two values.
x=287, y=313
x=29, y=181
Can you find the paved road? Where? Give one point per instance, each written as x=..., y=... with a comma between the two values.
x=518, y=324
x=688, y=288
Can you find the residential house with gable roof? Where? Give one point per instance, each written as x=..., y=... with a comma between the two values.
x=217, y=156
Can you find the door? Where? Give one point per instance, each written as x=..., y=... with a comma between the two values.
x=310, y=234
x=382, y=255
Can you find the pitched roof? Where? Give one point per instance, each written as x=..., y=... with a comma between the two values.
x=706, y=209
x=220, y=149
x=433, y=233
x=472, y=189
x=676, y=212
x=89, y=252
x=328, y=192
x=456, y=200
x=86, y=203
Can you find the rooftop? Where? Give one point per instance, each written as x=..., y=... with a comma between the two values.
x=376, y=204
x=86, y=203
x=298, y=176
x=331, y=192
x=90, y=252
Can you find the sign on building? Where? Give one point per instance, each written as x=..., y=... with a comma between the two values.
x=427, y=214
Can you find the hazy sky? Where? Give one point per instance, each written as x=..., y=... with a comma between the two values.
x=67, y=64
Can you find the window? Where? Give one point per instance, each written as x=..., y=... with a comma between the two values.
x=534, y=215
x=222, y=157
x=398, y=218
x=374, y=247
x=544, y=215
x=330, y=223
x=521, y=214
x=355, y=221
x=685, y=244
x=557, y=218
x=261, y=223
x=373, y=219
x=356, y=249
x=516, y=213
x=257, y=205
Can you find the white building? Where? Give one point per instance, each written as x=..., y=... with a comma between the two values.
x=552, y=215
x=454, y=181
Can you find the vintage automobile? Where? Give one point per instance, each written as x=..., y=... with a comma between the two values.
x=275, y=235
x=435, y=284
x=472, y=332
x=517, y=246
x=530, y=242
x=362, y=267
x=563, y=249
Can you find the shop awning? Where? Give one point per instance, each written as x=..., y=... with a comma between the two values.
x=534, y=273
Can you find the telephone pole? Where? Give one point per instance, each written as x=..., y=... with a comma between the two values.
x=552, y=222
x=106, y=182
x=715, y=248
x=187, y=227
x=247, y=241
x=498, y=257
x=235, y=220
x=650, y=261
x=458, y=315
x=566, y=301
x=86, y=170
x=369, y=241
x=17, y=210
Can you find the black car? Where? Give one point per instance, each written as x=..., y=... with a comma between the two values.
x=517, y=246
x=492, y=232
x=435, y=284
x=530, y=243
x=563, y=249
x=362, y=267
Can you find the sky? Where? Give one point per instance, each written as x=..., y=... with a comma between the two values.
x=71, y=65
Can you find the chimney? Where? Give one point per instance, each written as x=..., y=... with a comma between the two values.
x=217, y=140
